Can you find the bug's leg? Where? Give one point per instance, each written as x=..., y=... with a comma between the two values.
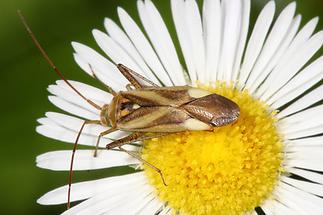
x=133, y=154
x=100, y=136
x=129, y=75
x=72, y=159
x=108, y=88
x=125, y=72
x=136, y=136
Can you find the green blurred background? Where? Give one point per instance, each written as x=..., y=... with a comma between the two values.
x=25, y=76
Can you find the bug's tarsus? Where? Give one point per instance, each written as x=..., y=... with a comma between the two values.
x=132, y=154
x=99, y=138
x=51, y=63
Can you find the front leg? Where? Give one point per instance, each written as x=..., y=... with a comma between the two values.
x=136, y=136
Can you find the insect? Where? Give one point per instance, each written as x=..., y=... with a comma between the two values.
x=152, y=109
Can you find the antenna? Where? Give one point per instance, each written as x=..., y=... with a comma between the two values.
x=50, y=62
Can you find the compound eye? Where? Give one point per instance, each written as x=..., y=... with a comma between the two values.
x=126, y=106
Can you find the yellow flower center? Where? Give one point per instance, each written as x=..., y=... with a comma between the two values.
x=227, y=171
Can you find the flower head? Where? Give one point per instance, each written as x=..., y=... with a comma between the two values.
x=268, y=158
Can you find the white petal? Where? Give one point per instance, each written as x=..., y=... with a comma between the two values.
x=299, y=84
x=166, y=211
x=110, y=200
x=302, y=103
x=316, y=189
x=309, y=175
x=304, y=152
x=303, y=35
x=64, y=135
x=73, y=123
x=152, y=207
x=83, y=160
x=277, y=57
x=295, y=47
x=282, y=209
x=304, y=122
x=143, y=46
x=305, y=133
x=290, y=65
x=142, y=204
x=288, y=199
x=161, y=40
x=194, y=28
x=212, y=37
x=276, y=42
x=312, y=164
x=73, y=98
x=66, y=130
x=251, y=213
x=256, y=40
x=73, y=108
x=123, y=41
x=45, y=120
x=274, y=207
x=232, y=10
x=87, y=189
x=268, y=207
x=77, y=105
x=134, y=204
x=301, y=117
x=101, y=75
x=313, y=202
x=101, y=66
x=242, y=38
x=310, y=141
x=183, y=34
x=88, y=91
x=117, y=53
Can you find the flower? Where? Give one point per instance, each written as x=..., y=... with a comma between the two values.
x=270, y=158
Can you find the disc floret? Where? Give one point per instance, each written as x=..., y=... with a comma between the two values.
x=229, y=170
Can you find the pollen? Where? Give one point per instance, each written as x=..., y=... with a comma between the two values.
x=229, y=170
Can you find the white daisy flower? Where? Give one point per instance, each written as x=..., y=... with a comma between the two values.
x=269, y=159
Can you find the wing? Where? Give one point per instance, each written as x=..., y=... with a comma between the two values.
x=164, y=96
x=213, y=109
x=160, y=119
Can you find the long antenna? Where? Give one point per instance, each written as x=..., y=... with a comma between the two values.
x=50, y=62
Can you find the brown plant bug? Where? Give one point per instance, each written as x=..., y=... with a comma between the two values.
x=150, y=109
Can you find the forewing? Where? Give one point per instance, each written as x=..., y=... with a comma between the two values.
x=164, y=96
x=213, y=109
x=160, y=119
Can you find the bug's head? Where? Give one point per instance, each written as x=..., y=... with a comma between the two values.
x=118, y=108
